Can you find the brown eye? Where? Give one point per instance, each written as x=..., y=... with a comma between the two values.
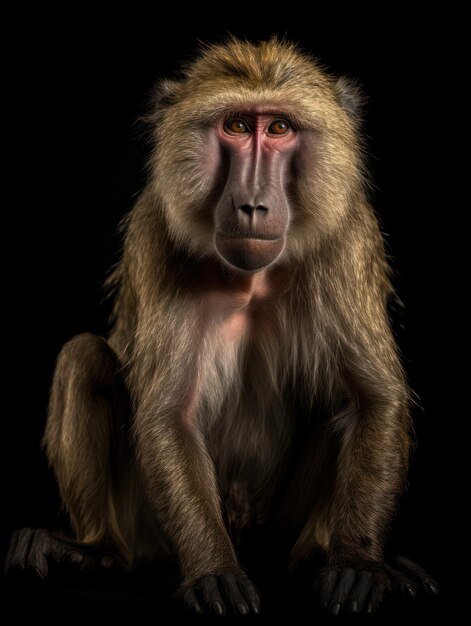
x=236, y=126
x=279, y=127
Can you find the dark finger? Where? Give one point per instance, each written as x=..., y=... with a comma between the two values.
x=190, y=599
x=410, y=567
x=342, y=591
x=402, y=581
x=418, y=573
x=233, y=594
x=430, y=586
x=37, y=557
x=360, y=592
x=212, y=597
x=20, y=556
x=250, y=593
x=12, y=551
x=66, y=551
x=74, y=557
x=107, y=561
x=375, y=597
x=327, y=586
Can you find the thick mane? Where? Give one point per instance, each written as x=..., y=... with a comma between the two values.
x=273, y=63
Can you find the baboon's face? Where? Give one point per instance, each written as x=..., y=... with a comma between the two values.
x=257, y=147
x=256, y=157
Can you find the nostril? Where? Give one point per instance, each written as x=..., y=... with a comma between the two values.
x=249, y=209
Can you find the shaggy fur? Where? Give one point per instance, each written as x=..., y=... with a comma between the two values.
x=282, y=400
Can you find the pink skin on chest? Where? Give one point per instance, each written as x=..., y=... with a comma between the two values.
x=231, y=298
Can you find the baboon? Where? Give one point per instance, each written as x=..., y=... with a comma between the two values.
x=250, y=376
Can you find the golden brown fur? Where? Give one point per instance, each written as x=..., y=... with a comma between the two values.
x=240, y=384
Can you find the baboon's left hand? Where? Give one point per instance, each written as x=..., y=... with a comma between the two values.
x=361, y=586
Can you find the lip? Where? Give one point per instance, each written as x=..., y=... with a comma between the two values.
x=250, y=236
x=249, y=253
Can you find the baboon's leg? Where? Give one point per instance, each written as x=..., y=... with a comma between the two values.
x=86, y=440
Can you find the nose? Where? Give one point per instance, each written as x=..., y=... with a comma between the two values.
x=250, y=209
x=249, y=215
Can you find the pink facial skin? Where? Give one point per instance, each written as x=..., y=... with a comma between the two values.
x=257, y=148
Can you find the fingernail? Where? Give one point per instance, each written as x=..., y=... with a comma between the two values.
x=335, y=610
x=369, y=608
x=255, y=608
x=242, y=608
x=218, y=608
x=107, y=561
x=354, y=607
x=411, y=590
x=75, y=558
x=40, y=574
x=430, y=586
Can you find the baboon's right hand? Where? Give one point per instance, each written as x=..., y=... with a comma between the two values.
x=219, y=594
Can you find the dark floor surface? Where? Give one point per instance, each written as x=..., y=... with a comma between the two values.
x=140, y=596
x=146, y=596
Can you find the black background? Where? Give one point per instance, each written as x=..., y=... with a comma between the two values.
x=76, y=164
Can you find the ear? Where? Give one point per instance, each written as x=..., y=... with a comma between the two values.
x=165, y=92
x=163, y=95
x=350, y=96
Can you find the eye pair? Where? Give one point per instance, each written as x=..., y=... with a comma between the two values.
x=238, y=127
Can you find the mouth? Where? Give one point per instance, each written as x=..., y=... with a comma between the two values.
x=244, y=234
x=249, y=253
